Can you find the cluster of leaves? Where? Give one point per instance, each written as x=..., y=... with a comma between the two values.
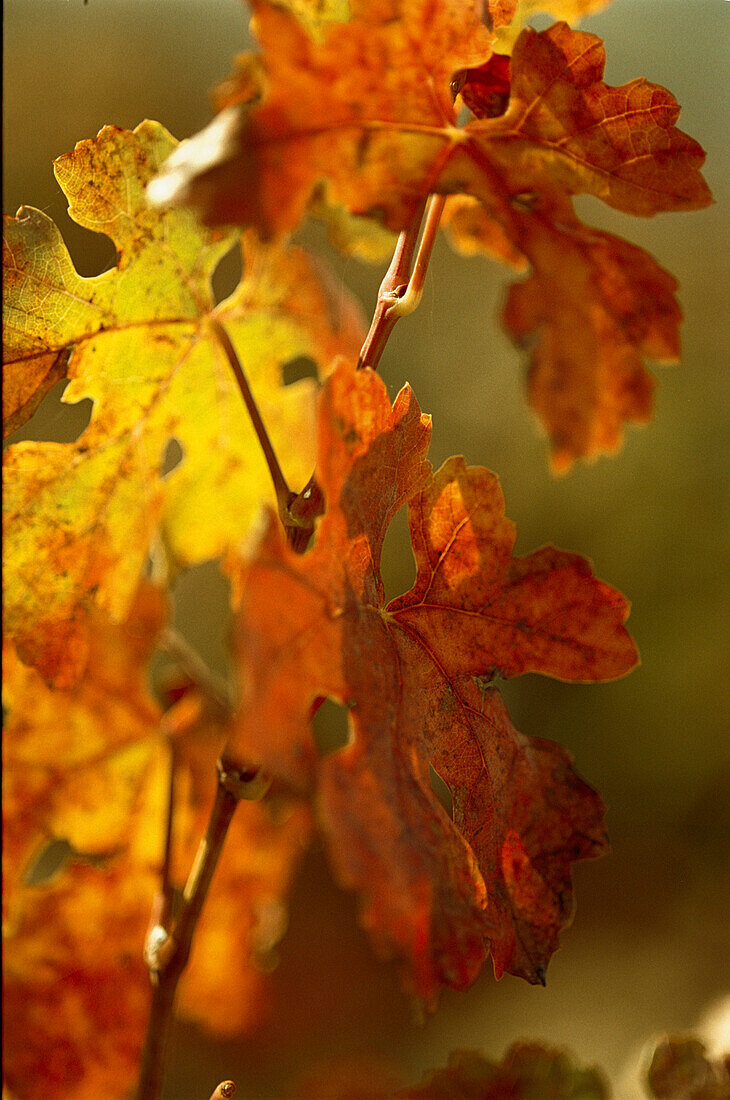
x=353, y=116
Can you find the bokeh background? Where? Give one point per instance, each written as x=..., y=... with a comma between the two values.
x=650, y=947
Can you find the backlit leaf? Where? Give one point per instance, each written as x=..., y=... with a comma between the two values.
x=417, y=676
x=368, y=107
x=80, y=518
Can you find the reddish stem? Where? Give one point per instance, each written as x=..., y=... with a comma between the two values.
x=401, y=289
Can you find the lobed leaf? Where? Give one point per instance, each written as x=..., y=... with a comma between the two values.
x=361, y=118
x=593, y=309
x=417, y=676
x=367, y=106
x=80, y=518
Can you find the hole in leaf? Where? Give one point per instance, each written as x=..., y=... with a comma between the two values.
x=50, y=861
x=54, y=420
x=331, y=727
x=441, y=791
x=172, y=457
x=296, y=369
x=227, y=275
x=397, y=564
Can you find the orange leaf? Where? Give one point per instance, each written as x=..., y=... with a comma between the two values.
x=75, y=990
x=366, y=107
x=547, y=127
x=90, y=767
x=592, y=310
x=417, y=677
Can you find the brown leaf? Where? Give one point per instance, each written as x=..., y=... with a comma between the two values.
x=26, y=383
x=566, y=131
x=680, y=1069
x=417, y=676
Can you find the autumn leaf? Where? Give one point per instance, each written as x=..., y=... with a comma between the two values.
x=368, y=108
x=26, y=382
x=593, y=309
x=418, y=678
x=471, y=232
x=365, y=106
x=75, y=992
x=570, y=10
x=80, y=518
x=90, y=767
x=546, y=127
x=528, y=1071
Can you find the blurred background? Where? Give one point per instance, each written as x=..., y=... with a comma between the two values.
x=649, y=950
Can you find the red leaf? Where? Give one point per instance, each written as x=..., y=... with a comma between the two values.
x=417, y=677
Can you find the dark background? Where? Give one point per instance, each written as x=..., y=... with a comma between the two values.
x=649, y=949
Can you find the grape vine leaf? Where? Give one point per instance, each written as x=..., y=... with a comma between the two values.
x=572, y=11
x=90, y=767
x=75, y=993
x=418, y=678
x=528, y=1071
x=368, y=107
x=546, y=127
x=80, y=518
x=593, y=309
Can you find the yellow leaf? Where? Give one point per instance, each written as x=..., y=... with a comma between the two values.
x=80, y=518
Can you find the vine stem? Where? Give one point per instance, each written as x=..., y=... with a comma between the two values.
x=167, y=953
x=402, y=288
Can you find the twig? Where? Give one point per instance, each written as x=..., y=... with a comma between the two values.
x=401, y=290
x=168, y=955
x=157, y=938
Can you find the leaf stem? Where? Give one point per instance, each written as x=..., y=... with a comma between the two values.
x=280, y=485
x=167, y=954
x=402, y=287
x=297, y=511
